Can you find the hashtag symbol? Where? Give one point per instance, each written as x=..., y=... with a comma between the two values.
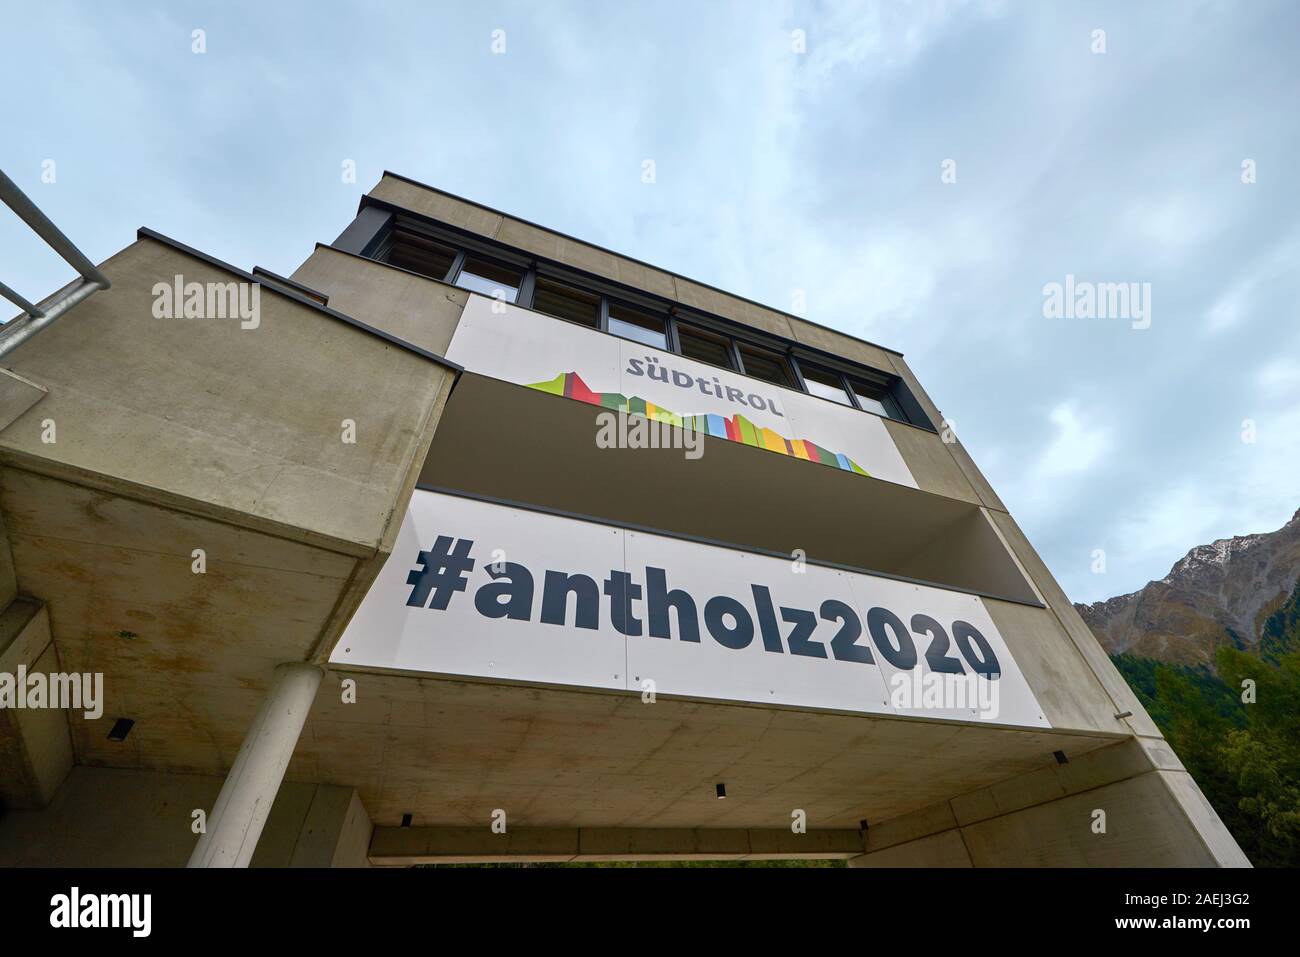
x=443, y=571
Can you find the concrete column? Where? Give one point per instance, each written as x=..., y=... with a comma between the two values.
x=245, y=800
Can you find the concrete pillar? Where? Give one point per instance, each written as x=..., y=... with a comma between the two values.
x=35, y=743
x=245, y=800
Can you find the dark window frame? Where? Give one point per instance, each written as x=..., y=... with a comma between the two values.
x=463, y=256
x=794, y=383
x=537, y=277
x=370, y=236
x=651, y=312
x=697, y=331
x=827, y=372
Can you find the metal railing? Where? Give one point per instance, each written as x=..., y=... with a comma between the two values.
x=36, y=317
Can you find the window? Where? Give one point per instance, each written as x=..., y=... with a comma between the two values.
x=490, y=279
x=638, y=326
x=824, y=383
x=870, y=398
x=418, y=254
x=487, y=269
x=768, y=366
x=565, y=302
x=705, y=346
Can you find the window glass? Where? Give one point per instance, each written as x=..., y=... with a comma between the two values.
x=421, y=255
x=490, y=279
x=636, y=325
x=705, y=346
x=565, y=302
x=767, y=366
x=871, y=399
x=825, y=383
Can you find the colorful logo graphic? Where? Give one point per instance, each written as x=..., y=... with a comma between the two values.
x=735, y=428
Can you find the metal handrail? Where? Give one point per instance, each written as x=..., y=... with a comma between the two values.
x=36, y=318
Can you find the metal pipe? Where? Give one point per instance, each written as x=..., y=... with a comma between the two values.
x=19, y=301
x=20, y=330
x=29, y=213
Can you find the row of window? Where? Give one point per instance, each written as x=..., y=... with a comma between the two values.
x=572, y=303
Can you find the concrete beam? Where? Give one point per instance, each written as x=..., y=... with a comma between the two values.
x=1128, y=805
x=336, y=831
x=17, y=395
x=397, y=846
x=115, y=817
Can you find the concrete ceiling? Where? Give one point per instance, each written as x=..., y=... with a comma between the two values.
x=450, y=751
x=186, y=656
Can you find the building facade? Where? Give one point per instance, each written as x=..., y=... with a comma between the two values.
x=473, y=541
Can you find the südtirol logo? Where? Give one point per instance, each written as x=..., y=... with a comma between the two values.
x=733, y=428
x=652, y=368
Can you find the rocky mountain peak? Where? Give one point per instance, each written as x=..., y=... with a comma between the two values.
x=1215, y=594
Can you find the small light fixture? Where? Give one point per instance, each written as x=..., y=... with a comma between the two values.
x=1060, y=757
x=721, y=790
x=863, y=825
x=406, y=820
x=121, y=728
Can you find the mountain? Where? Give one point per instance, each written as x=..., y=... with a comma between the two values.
x=1240, y=591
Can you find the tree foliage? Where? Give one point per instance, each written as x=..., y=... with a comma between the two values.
x=1238, y=732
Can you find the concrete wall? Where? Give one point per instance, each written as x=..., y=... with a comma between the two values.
x=1128, y=805
x=401, y=846
x=421, y=311
x=105, y=817
x=35, y=744
x=247, y=421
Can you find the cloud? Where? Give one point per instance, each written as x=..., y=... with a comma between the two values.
x=1075, y=448
x=778, y=171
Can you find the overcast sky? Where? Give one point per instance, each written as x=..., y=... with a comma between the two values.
x=775, y=171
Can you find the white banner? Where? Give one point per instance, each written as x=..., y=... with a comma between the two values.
x=488, y=591
x=505, y=342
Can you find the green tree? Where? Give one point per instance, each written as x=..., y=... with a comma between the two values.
x=1243, y=754
x=1261, y=762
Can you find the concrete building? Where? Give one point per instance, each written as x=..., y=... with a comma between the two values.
x=474, y=541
